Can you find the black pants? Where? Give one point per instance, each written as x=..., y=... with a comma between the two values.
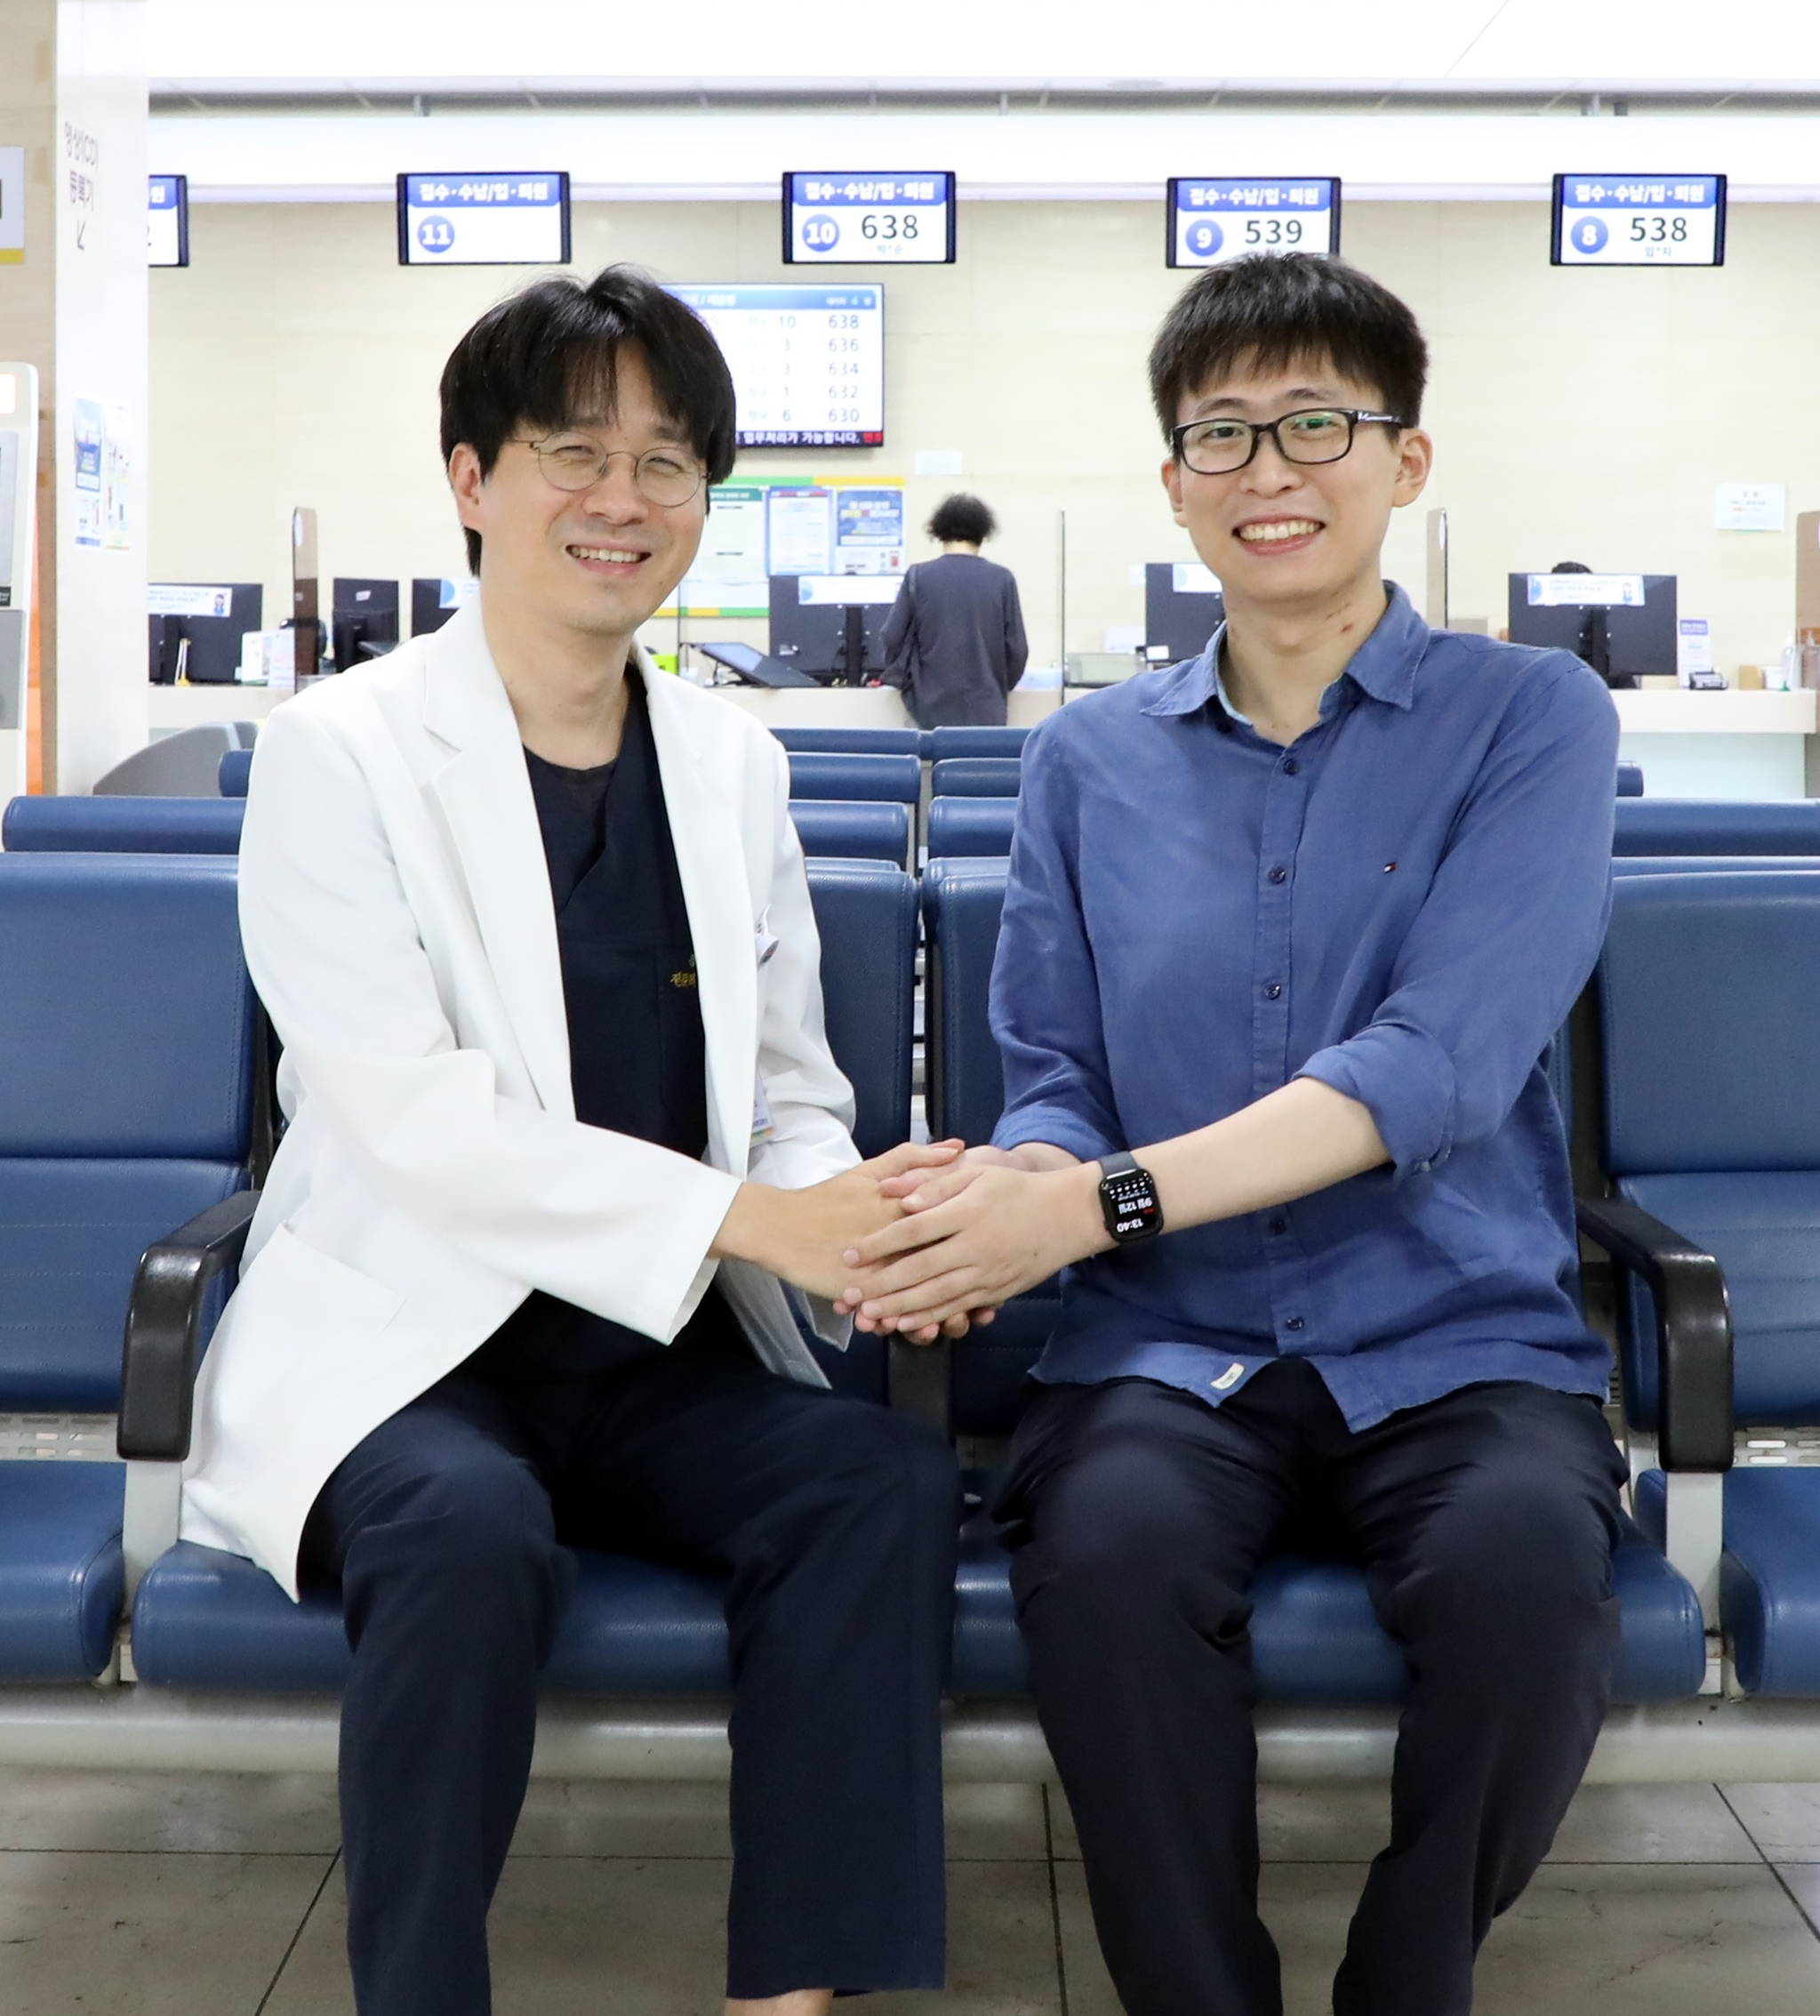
x=835, y=1522
x=1485, y=1521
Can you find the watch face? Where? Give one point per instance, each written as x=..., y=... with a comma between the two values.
x=1129, y=1201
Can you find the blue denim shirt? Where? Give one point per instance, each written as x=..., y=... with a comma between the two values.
x=1403, y=904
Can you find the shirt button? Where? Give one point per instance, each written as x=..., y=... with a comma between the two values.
x=1291, y=768
x=1273, y=990
x=1292, y=1322
x=1279, y=1226
x=1280, y=875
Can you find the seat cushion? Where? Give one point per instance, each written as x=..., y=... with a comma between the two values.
x=898, y=779
x=976, y=776
x=965, y=1081
x=857, y=830
x=127, y=825
x=1314, y=1638
x=62, y=1579
x=1702, y=825
x=866, y=915
x=977, y=828
x=1769, y=1580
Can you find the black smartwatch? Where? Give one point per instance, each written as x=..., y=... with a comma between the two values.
x=1128, y=1200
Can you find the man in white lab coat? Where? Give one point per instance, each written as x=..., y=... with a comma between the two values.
x=532, y=922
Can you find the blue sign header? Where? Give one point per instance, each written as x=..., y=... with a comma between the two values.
x=490, y=192
x=778, y=297
x=163, y=191
x=1639, y=192
x=1313, y=193
x=869, y=191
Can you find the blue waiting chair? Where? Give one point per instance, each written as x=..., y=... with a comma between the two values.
x=214, y=1623
x=860, y=830
x=1315, y=1639
x=127, y=1109
x=976, y=776
x=122, y=825
x=854, y=742
x=945, y=743
x=959, y=826
x=235, y=773
x=1717, y=826
x=897, y=780
x=1630, y=780
x=1709, y=994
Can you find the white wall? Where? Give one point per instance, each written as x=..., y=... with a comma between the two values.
x=1578, y=415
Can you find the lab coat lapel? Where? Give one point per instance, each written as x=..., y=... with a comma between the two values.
x=485, y=792
x=710, y=858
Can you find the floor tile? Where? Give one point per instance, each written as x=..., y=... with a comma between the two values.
x=223, y=1812
x=575, y=1936
x=1784, y=1819
x=146, y=1935
x=1803, y=1878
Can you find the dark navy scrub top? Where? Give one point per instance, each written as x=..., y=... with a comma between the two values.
x=637, y=1059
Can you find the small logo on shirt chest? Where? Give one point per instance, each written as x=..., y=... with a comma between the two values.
x=686, y=978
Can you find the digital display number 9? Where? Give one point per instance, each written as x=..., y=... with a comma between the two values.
x=1274, y=231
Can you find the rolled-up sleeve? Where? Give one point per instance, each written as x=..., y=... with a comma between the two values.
x=1045, y=995
x=1507, y=936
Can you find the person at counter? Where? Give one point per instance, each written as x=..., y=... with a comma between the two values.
x=1287, y=931
x=532, y=923
x=954, y=642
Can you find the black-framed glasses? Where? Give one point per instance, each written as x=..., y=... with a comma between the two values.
x=576, y=462
x=1321, y=434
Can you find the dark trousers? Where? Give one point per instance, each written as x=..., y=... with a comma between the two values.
x=835, y=1522
x=1485, y=1521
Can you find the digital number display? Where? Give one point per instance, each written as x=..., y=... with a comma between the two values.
x=1213, y=221
x=807, y=363
x=1639, y=220
x=491, y=219
x=853, y=220
x=167, y=225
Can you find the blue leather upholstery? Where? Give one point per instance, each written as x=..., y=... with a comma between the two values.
x=852, y=830
x=945, y=743
x=898, y=779
x=1630, y=780
x=236, y=770
x=1714, y=863
x=123, y=825
x=964, y=1084
x=976, y=776
x=866, y=911
x=1716, y=825
x=977, y=826
x=855, y=741
x=62, y=1576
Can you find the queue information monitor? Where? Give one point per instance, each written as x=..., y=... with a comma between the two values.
x=849, y=219
x=1213, y=220
x=1639, y=220
x=807, y=363
x=168, y=221
x=490, y=219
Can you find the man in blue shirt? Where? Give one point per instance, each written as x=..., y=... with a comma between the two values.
x=1293, y=923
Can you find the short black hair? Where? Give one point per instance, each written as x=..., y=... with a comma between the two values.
x=962, y=520
x=1273, y=311
x=554, y=348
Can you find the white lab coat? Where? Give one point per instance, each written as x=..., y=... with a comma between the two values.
x=397, y=913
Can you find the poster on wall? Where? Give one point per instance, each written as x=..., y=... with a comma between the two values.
x=869, y=529
x=771, y=525
x=728, y=576
x=117, y=479
x=90, y=434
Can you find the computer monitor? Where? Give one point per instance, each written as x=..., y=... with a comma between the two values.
x=1622, y=624
x=436, y=598
x=194, y=630
x=365, y=621
x=833, y=626
x=1183, y=607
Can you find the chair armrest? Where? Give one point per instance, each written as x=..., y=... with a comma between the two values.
x=919, y=1381
x=1692, y=1330
x=159, y=1356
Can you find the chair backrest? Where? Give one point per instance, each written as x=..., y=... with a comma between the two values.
x=1713, y=863
x=963, y=1083
x=1709, y=996
x=1630, y=780
x=1717, y=826
x=976, y=776
x=971, y=826
x=122, y=825
x=857, y=830
x=945, y=743
x=898, y=779
x=235, y=774
x=126, y=1061
x=866, y=911
x=854, y=742
x=184, y=765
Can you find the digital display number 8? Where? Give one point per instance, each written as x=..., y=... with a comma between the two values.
x=1274, y=231
x=1658, y=230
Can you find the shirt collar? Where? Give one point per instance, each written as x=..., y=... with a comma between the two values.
x=1383, y=666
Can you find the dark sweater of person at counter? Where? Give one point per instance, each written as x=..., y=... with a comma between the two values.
x=955, y=643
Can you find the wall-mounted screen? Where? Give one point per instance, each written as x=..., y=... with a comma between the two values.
x=518, y=219
x=807, y=363
x=1639, y=220
x=1212, y=221
x=167, y=228
x=840, y=219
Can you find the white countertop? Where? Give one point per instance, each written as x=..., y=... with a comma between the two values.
x=1681, y=712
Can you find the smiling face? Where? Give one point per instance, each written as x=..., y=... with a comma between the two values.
x=1293, y=536
x=598, y=562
